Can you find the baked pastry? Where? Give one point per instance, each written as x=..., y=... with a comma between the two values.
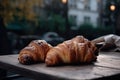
x=79, y=39
x=35, y=52
x=75, y=51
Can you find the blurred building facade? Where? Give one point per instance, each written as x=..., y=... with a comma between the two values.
x=84, y=11
x=102, y=18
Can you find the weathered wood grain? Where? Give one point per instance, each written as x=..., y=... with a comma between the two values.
x=108, y=64
x=109, y=59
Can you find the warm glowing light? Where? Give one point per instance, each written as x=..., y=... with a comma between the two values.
x=64, y=1
x=112, y=7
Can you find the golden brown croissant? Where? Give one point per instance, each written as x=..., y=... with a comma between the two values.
x=79, y=39
x=35, y=51
x=77, y=50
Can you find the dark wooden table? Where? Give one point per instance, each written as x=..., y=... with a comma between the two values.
x=106, y=67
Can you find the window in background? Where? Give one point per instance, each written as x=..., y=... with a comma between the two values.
x=72, y=4
x=86, y=19
x=87, y=4
x=74, y=19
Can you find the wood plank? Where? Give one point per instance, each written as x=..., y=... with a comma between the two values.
x=106, y=66
x=110, y=60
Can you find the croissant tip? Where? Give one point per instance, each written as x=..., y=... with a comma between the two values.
x=25, y=59
x=47, y=62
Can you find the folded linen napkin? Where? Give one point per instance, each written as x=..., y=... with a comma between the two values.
x=113, y=40
x=110, y=42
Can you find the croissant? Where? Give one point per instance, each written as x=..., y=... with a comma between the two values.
x=79, y=39
x=35, y=51
x=75, y=51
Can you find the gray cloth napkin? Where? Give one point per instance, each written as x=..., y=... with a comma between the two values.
x=113, y=40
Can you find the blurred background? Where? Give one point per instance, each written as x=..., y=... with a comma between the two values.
x=22, y=21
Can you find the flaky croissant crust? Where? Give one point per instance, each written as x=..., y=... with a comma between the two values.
x=76, y=50
x=35, y=51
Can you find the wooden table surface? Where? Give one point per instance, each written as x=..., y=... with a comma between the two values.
x=107, y=65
